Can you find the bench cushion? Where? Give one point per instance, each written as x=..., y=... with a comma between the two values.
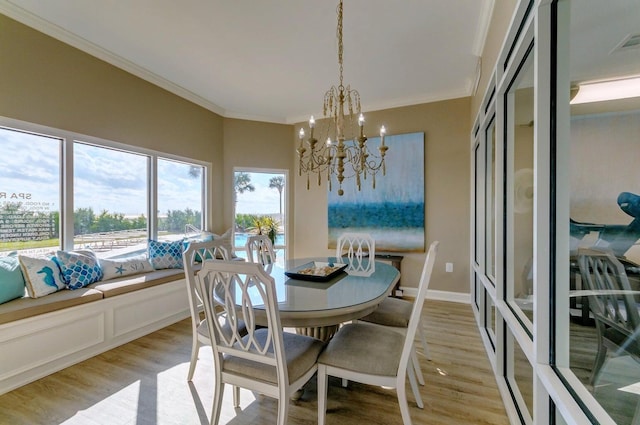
x=28, y=307
x=126, y=284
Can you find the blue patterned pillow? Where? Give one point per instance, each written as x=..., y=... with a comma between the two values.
x=78, y=269
x=166, y=255
x=41, y=276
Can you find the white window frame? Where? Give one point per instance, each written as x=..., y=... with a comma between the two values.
x=68, y=139
x=285, y=205
x=534, y=20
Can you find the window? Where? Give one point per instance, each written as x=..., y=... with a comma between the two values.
x=180, y=199
x=567, y=199
x=61, y=190
x=477, y=196
x=29, y=192
x=519, y=163
x=260, y=208
x=110, y=200
x=490, y=201
x=603, y=202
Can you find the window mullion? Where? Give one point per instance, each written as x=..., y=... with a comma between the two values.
x=152, y=212
x=66, y=193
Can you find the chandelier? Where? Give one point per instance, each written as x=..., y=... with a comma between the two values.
x=340, y=157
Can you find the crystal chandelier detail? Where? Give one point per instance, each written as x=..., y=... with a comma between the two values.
x=340, y=157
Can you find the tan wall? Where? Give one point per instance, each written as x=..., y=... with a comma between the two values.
x=446, y=127
x=500, y=20
x=253, y=144
x=47, y=82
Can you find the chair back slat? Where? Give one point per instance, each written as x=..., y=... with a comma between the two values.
x=260, y=250
x=360, y=250
x=192, y=256
x=236, y=289
x=414, y=320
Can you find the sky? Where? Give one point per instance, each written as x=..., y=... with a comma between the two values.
x=263, y=200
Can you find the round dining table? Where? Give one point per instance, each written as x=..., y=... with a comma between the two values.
x=317, y=308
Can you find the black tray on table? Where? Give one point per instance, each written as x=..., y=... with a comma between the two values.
x=316, y=271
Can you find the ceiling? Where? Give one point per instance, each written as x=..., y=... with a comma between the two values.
x=272, y=60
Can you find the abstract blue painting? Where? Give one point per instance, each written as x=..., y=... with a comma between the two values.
x=393, y=212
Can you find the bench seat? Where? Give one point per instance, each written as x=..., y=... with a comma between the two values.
x=23, y=308
x=122, y=285
x=40, y=336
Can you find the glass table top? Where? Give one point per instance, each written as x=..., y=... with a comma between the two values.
x=354, y=286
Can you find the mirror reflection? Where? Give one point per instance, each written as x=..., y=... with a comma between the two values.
x=605, y=205
x=522, y=191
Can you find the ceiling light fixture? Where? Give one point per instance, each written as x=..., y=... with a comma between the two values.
x=607, y=90
x=340, y=152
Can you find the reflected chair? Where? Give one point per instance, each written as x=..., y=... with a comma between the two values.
x=266, y=360
x=613, y=305
x=192, y=257
x=375, y=355
x=357, y=247
x=260, y=250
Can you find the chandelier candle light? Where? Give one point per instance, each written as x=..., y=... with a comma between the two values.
x=332, y=157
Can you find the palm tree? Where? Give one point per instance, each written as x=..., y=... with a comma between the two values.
x=277, y=182
x=241, y=184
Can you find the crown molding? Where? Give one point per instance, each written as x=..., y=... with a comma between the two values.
x=483, y=27
x=396, y=103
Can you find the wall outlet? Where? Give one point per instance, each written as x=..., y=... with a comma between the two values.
x=448, y=267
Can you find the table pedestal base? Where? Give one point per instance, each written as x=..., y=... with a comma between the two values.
x=323, y=333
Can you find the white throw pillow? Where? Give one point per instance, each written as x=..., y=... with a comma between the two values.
x=115, y=268
x=227, y=241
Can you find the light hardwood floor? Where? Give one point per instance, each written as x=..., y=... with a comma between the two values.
x=144, y=382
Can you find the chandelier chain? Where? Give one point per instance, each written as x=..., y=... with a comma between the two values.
x=340, y=45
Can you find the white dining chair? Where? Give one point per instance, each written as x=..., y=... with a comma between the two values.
x=260, y=250
x=266, y=360
x=355, y=245
x=193, y=256
x=375, y=355
x=395, y=313
x=360, y=250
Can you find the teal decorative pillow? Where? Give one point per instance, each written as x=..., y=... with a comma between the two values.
x=42, y=276
x=78, y=269
x=125, y=266
x=165, y=255
x=11, y=280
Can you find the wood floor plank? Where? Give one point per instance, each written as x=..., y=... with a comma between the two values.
x=144, y=383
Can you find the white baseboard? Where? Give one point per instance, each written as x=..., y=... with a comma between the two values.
x=432, y=294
